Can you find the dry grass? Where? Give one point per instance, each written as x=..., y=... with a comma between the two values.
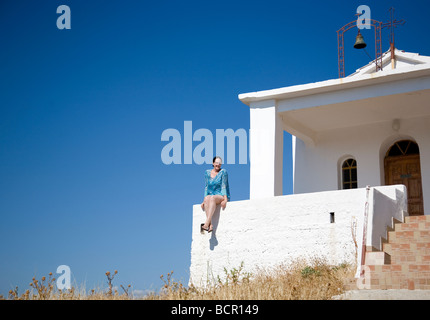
x=301, y=280
x=45, y=289
x=315, y=280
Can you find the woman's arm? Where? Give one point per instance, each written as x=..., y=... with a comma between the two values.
x=225, y=189
x=224, y=202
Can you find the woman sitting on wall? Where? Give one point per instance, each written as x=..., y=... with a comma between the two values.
x=217, y=192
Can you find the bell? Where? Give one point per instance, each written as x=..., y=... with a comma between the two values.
x=359, y=41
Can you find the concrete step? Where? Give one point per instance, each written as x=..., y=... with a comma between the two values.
x=399, y=282
x=379, y=280
x=419, y=225
x=404, y=262
x=409, y=219
x=412, y=276
x=396, y=250
x=377, y=258
x=410, y=258
x=408, y=236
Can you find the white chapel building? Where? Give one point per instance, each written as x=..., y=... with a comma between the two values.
x=370, y=128
x=361, y=158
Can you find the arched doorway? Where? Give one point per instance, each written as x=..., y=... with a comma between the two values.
x=402, y=166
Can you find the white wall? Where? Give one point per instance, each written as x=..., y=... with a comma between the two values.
x=268, y=232
x=385, y=203
x=317, y=168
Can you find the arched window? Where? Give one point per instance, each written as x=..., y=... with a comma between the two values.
x=349, y=174
x=403, y=148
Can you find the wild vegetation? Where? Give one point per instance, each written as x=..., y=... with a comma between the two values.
x=301, y=280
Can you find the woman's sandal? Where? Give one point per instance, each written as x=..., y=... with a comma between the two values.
x=203, y=229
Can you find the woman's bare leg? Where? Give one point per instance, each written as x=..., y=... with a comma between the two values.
x=206, y=206
x=210, y=206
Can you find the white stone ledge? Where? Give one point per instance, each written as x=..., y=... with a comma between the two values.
x=264, y=233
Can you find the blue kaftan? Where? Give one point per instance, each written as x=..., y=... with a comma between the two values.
x=217, y=185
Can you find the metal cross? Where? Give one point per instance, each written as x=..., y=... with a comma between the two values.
x=392, y=24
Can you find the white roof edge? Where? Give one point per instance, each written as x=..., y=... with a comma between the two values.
x=358, y=80
x=412, y=57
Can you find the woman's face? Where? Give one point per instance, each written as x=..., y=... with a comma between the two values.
x=217, y=164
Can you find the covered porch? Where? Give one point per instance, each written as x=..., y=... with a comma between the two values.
x=360, y=116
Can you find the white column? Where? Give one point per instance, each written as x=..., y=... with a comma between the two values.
x=424, y=145
x=266, y=150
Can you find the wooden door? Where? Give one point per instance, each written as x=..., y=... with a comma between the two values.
x=406, y=170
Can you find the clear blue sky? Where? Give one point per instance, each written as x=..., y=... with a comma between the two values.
x=82, y=111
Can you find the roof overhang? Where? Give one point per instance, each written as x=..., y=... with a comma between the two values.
x=311, y=108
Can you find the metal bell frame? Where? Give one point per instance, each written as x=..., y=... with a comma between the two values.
x=341, y=49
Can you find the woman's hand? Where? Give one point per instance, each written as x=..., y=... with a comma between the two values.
x=203, y=206
x=224, y=203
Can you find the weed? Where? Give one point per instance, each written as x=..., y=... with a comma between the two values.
x=304, y=280
x=110, y=278
x=309, y=271
x=315, y=279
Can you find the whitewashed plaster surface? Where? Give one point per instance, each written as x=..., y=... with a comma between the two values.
x=264, y=233
x=332, y=120
x=367, y=145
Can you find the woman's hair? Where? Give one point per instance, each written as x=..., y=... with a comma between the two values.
x=216, y=157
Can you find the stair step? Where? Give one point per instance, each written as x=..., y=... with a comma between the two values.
x=411, y=281
x=406, y=236
x=410, y=259
x=404, y=262
x=419, y=225
x=415, y=247
x=387, y=281
x=377, y=258
x=417, y=218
